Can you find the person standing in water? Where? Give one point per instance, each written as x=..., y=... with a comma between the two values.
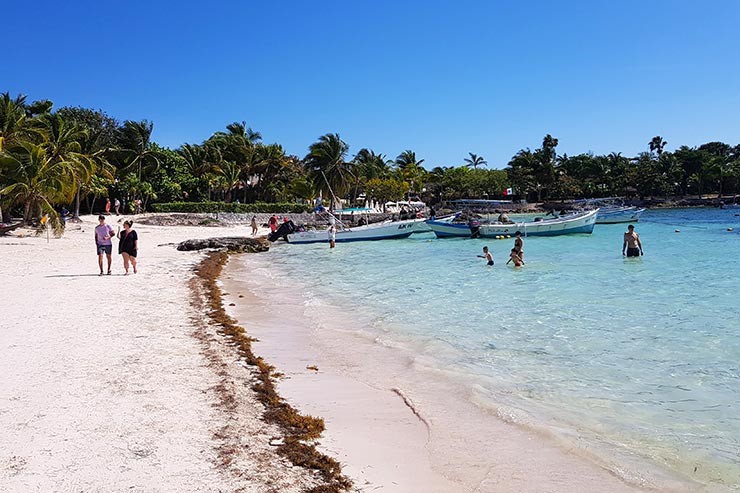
x=514, y=256
x=254, y=225
x=519, y=245
x=487, y=255
x=332, y=232
x=632, y=243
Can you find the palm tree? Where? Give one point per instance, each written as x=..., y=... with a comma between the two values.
x=136, y=146
x=370, y=165
x=68, y=141
x=240, y=134
x=37, y=181
x=230, y=174
x=657, y=144
x=326, y=164
x=474, y=161
x=270, y=165
x=237, y=143
x=12, y=125
x=407, y=158
x=12, y=119
x=199, y=164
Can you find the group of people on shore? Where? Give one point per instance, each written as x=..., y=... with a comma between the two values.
x=117, y=206
x=631, y=247
x=128, y=245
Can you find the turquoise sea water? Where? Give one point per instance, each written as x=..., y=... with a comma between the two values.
x=639, y=355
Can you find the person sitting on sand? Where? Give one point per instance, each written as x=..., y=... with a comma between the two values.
x=514, y=255
x=632, y=243
x=487, y=255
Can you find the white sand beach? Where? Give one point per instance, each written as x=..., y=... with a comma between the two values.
x=116, y=383
x=105, y=386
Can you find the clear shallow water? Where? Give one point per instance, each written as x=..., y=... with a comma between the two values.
x=639, y=355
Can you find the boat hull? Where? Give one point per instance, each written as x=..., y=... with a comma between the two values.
x=371, y=232
x=619, y=215
x=449, y=230
x=577, y=223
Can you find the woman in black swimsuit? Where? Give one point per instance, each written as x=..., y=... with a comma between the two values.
x=128, y=246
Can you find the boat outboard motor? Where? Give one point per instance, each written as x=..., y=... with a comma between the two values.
x=283, y=231
x=474, y=226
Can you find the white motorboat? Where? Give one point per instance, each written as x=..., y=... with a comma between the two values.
x=385, y=230
x=582, y=222
x=618, y=214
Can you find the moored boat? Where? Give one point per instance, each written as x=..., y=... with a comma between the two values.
x=618, y=214
x=386, y=230
x=582, y=222
x=444, y=227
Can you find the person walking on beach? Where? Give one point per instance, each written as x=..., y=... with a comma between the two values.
x=103, y=243
x=632, y=243
x=332, y=231
x=128, y=245
x=107, y=206
x=519, y=244
x=487, y=255
x=514, y=256
x=254, y=225
x=117, y=206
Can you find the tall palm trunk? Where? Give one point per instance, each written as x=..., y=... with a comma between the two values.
x=27, y=212
x=77, y=203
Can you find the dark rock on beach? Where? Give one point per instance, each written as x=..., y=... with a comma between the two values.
x=234, y=244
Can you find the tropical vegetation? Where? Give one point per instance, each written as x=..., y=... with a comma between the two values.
x=76, y=157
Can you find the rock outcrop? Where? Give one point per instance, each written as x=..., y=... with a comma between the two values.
x=234, y=244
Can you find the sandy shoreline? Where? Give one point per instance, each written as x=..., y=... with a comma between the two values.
x=374, y=432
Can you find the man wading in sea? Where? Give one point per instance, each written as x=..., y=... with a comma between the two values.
x=632, y=243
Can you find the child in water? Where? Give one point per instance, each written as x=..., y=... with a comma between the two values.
x=487, y=255
x=518, y=262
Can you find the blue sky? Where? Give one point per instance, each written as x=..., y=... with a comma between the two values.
x=441, y=78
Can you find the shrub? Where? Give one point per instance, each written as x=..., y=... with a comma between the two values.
x=211, y=207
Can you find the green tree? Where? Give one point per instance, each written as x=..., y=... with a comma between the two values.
x=384, y=190
x=200, y=167
x=657, y=144
x=521, y=171
x=136, y=147
x=302, y=188
x=370, y=165
x=474, y=161
x=37, y=181
x=407, y=158
x=327, y=166
x=12, y=119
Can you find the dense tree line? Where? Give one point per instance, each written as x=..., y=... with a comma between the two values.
x=76, y=156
